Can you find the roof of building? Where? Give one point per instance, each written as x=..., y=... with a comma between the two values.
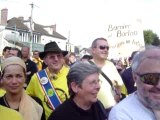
x=19, y=25
x=15, y=22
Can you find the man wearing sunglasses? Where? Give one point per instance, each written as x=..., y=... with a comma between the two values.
x=144, y=104
x=100, y=49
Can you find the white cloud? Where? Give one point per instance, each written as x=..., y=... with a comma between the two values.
x=86, y=19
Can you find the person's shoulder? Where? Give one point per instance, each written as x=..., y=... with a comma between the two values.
x=65, y=69
x=122, y=110
x=9, y=114
x=2, y=92
x=64, y=106
x=125, y=105
x=109, y=63
x=127, y=71
x=31, y=62
x=130, y=108
x=62, y=109
x=37, y=100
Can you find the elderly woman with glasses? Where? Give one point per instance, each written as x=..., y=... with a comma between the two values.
x=13, y=78
x=84, y=84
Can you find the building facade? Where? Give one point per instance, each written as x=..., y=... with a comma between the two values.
x=17, y=32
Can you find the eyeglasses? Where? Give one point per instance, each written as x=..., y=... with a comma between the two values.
x=95, y=82
x=102, y=47
x=58, y=56
x=150, y=78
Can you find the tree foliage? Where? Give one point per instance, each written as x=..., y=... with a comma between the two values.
x=156, y=40
x=151, y=38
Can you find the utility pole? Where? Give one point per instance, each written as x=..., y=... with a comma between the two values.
x=15, y=32
x=68, y=42
x=31, y=30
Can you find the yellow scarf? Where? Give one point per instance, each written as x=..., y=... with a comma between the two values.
x=29, y=108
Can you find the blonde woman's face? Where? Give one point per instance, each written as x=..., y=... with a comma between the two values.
x=13, y=79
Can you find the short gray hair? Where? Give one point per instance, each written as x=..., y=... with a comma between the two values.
x=140, y=56
x=94, y=43
x=78, y=72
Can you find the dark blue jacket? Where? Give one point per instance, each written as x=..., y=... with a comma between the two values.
x=128, y=80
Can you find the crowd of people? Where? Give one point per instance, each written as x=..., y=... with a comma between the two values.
x=55, y=85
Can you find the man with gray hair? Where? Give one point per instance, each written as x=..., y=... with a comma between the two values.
x=144, y=104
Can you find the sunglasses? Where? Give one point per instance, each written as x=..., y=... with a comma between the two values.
x=102, y=47
x=150, y=78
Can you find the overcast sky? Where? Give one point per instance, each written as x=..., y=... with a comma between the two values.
x=86, y=19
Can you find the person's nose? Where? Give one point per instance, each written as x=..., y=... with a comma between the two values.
x=98, y=85
x=55, y=57
x=14, y=79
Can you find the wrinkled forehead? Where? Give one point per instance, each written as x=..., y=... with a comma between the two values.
x=152, y=53
x=149, y=65
x=54, y=53
x=150, y=59
x=101, y=42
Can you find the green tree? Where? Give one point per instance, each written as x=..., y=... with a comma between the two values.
x=151, y=38
x=148, y=36
x=156, y=40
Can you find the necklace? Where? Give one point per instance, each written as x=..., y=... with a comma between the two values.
x=7, y=104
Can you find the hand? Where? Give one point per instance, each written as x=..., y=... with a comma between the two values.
x=117, y=97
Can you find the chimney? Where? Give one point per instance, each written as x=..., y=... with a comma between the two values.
x=50, y=28
x=4, y=16
x=53, y=27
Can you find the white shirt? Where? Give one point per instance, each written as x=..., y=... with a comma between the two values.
x=105, y=94
x=131, y=108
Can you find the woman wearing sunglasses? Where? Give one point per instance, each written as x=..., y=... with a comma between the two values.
x=144, y=104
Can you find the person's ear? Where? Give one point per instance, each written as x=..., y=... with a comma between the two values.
x=135, y=77
x=74, y=87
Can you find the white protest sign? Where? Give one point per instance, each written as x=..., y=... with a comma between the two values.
x=124, y=38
